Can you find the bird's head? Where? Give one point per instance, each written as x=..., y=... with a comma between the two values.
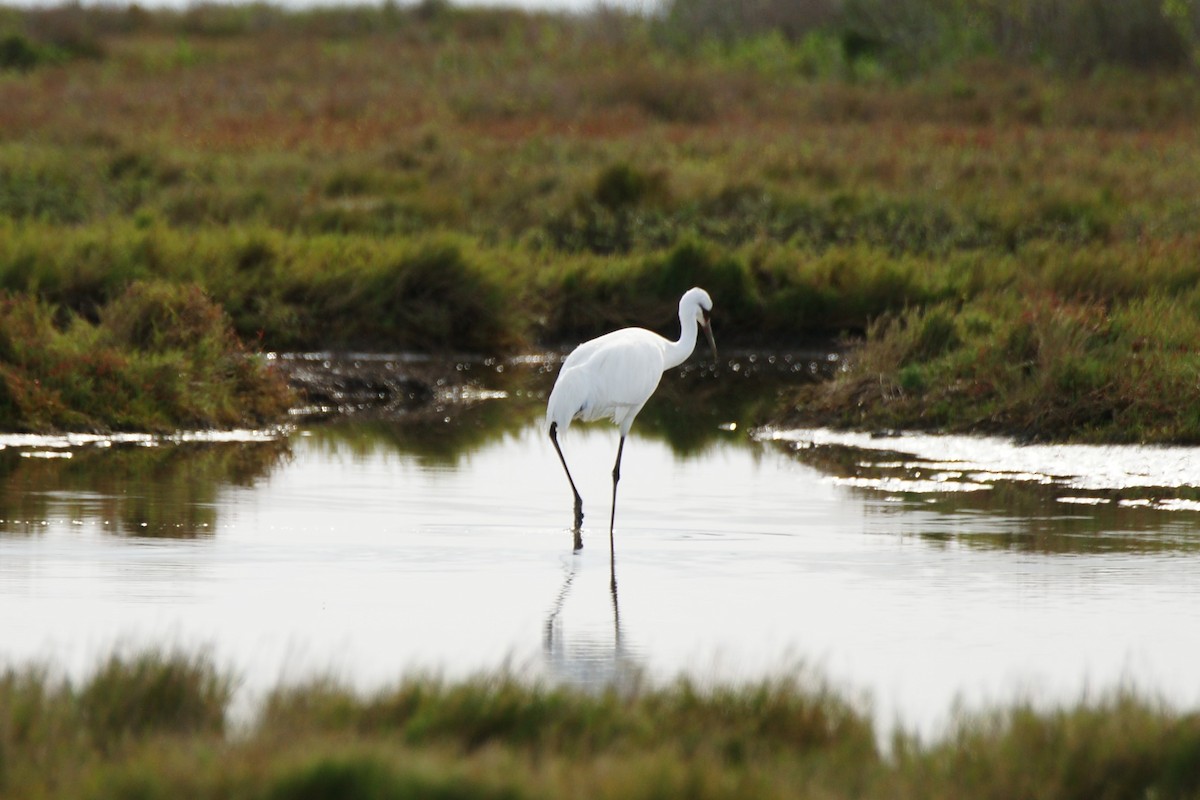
x=697, y=303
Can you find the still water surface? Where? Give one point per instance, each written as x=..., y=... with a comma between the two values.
x=916, y=570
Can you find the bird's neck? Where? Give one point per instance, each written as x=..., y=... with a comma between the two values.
x=677, y=352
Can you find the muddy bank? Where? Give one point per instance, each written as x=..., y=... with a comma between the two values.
x=331, y=384
x=388, y=385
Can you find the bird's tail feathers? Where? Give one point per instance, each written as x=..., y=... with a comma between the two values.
x=566, y=401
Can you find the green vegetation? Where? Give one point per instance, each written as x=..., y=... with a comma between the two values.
x=155, y=725
x=915, y=35
x=1041, y=367
x=159, y=356
x=433, y=178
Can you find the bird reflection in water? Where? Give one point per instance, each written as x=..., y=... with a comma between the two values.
x=594, y=656
x=611, y=377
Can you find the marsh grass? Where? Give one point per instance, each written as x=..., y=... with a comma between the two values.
x=1043, y=367
x=912, y=35
x=1116, y=746
x=783, y=715
x=130, y=698
x=160, y=357
x=152, y=725
x=485, y=180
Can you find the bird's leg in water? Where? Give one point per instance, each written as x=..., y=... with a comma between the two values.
x=612, y=588
x=578, y=499
x=613, y=516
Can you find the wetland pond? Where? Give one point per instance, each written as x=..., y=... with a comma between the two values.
x=915, y=571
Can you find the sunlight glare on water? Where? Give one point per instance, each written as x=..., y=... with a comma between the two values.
x=1086, y=467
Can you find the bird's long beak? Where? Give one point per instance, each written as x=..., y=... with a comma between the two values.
x=706, y=324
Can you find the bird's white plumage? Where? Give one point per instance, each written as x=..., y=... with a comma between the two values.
x=612, y=376
x=608, y=377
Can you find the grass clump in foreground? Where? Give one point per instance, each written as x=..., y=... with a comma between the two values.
x=157, y=358
x=153, y=725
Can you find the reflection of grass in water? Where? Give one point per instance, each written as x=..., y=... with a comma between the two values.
x=436, y=436
x=690, y=406
x=685, y=413
x=1023, y=516
x=1050, y=527
x=1064, y=543
x=169, y=490
x=153, y=726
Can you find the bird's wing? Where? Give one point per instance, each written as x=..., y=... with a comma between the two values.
x=620, y=371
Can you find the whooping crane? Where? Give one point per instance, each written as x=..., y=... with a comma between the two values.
x=612, y=376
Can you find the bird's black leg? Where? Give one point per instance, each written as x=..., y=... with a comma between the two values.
x=578, y=499
x=612, y=587
x=613, y=516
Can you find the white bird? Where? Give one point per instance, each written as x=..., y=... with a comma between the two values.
x=612, y=376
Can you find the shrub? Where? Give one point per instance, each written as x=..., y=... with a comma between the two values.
x=436, y=299
x=681, y=96
x=161, y=357
x=621, y=186
x=693, y=263
x=157, y=317
x=18, y=53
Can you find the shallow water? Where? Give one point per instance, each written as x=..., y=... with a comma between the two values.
x=918, y=570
